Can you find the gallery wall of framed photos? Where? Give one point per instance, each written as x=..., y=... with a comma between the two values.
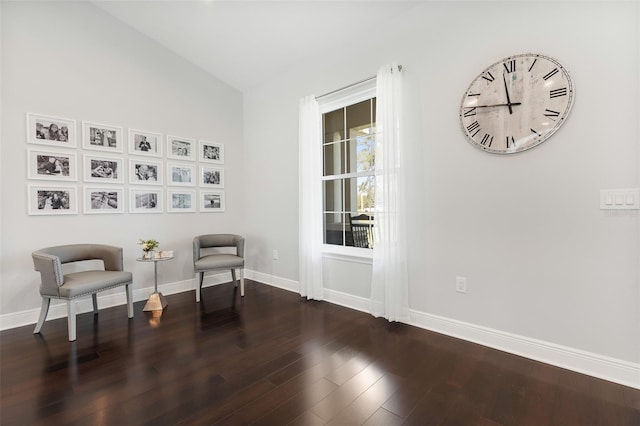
x=104, y=170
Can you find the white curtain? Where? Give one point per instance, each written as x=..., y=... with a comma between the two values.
x=310, y=196
x=390, y=284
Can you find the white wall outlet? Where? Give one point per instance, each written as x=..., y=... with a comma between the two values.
x=275, y=255
x=461, y=284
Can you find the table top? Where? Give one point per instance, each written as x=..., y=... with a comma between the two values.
x=153, y=259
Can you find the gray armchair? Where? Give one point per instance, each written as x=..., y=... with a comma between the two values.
x=203, y=262
x=56, y=285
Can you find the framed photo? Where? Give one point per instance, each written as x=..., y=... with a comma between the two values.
x=212, y=201
x=211, y=152
x=102, y=137
x=145, y=172
x=181, y=148
x=103, y=200
x=103, y=169
x=145, y=200
x=53, y=131
x=52, y=165
x=181, y=201
x=212, y=177
x=181, y=174
x=145, y=143
x=52, y=200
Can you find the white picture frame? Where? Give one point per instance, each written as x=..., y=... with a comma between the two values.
x=212, y=201
x=103, y=200
x=40, y=130
x=211, y=177
x=145, y=200
x=102, y=137
x=211, y=152
x=181, y=201
x=180, y=174
x=52, y=200
x=146, y=143
x=50, y=165
x=179, y=148
x=143, y=171
x=103, y=169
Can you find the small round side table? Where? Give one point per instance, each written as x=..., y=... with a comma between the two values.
x=157, y=301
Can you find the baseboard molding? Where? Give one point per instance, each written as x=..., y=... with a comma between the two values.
x=600, y=366
x=58, y=308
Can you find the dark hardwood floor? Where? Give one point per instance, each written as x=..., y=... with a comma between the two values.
x=273, y=359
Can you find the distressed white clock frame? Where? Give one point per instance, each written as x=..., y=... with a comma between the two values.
x=516, y=103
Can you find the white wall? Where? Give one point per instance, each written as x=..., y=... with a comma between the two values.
x=71, y=59
x=542, y=260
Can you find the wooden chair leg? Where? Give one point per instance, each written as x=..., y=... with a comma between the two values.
x=71, y=319
x=129, y=292
x=94, y=296
x=233, y=277
x=44, y=310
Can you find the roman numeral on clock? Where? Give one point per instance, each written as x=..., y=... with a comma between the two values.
x=551, y=114
x=510, y=66
x=550, y=74
x=489, y=76
x=557, y=93
x=473, y=127
x=470, y=111
x=486, y=140
x=511, y=142
x=532, y=64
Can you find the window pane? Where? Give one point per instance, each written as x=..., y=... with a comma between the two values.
x=334, y=159
x=333, y=195
x=366, y=194
x=334, y=227
x=359, y=119
x=333, y=123
x=362, y=154
x=350, y=194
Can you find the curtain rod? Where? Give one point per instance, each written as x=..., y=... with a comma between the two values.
x=352, y=84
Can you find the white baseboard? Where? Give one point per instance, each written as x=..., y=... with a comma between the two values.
x=58, y=308
x=601, y=366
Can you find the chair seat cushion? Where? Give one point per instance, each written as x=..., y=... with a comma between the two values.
x=218, y=261
x=87, y=282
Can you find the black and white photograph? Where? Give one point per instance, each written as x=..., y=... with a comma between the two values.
x=145, y=172
x=52, y=200
x=47, y=165
x=211, y=152
x=145, y=143
x=53, y=131
x=102, y=137
x=103, y=200
x=180, y=174
x=212, y=177
x=103, y=169
x=181, y=148
x=212, y=201
x=181, y=201
x=145, y=200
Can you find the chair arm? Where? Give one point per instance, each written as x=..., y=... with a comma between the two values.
x=50, y=269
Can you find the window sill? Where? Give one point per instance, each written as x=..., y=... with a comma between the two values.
x=347, y=254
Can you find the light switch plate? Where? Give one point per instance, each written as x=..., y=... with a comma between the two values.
x=620, y=199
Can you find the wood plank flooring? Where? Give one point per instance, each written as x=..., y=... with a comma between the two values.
x=271, y=358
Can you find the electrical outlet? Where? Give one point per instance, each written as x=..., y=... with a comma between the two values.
x=461, y=284
x=275, y=255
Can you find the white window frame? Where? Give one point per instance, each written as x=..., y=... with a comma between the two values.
x=340, y=99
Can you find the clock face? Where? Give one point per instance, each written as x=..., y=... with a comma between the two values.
x=516, y=103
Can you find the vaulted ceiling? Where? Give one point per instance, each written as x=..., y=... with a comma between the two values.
x=245, y=43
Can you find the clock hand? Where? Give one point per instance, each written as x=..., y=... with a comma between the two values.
x=507, y=91
x=495, y=105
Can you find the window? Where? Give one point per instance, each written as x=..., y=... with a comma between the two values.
x=349, y=144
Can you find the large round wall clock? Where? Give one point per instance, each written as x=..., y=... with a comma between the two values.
x=516, y=103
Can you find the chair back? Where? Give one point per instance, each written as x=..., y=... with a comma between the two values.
x=218, y=240
x=361, y=228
